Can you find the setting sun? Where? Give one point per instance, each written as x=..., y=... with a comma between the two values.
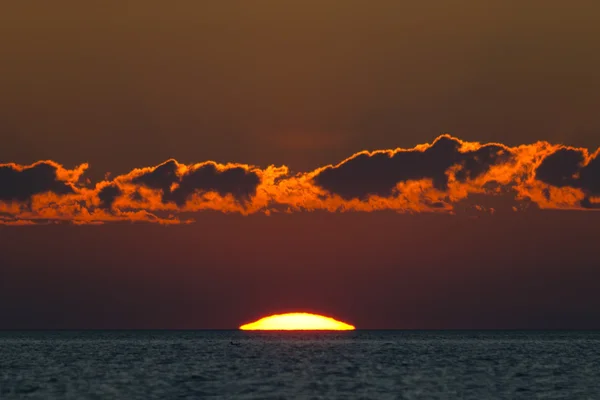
x=297, y=322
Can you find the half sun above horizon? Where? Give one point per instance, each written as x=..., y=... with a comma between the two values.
x=297, y=322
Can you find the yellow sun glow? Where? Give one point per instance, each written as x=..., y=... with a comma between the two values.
x=297, y=322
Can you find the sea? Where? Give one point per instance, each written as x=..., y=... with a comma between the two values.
x=299, y=365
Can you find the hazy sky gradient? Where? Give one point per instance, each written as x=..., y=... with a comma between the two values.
x=298, y=83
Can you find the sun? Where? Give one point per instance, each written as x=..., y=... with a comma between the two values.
x=297, y=322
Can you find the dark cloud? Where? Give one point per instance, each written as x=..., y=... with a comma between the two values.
x=161, y=177
x=589, y=176
x=20, y=183
x=567, y=167
x=236, y=180
x=560, y=168
x=378, y=173
x=108, y=195
x=440, y=175
x=478, y=162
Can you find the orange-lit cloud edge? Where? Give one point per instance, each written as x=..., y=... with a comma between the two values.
x=431, y=177
x=298, y=321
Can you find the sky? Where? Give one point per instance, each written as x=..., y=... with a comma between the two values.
x=394, y=165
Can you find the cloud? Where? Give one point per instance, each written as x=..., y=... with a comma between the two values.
x=178, y=183
x=108, y=194
x=378, y=173
x=427, y=177
x=20, y=183
x=572, y=168
x=431, y=177
x=174, y=187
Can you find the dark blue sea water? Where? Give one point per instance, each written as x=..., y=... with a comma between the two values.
x=359, y=364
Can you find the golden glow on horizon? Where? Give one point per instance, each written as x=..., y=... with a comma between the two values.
x=297, y=322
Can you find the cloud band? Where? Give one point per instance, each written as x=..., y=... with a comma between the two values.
x=430, y=177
